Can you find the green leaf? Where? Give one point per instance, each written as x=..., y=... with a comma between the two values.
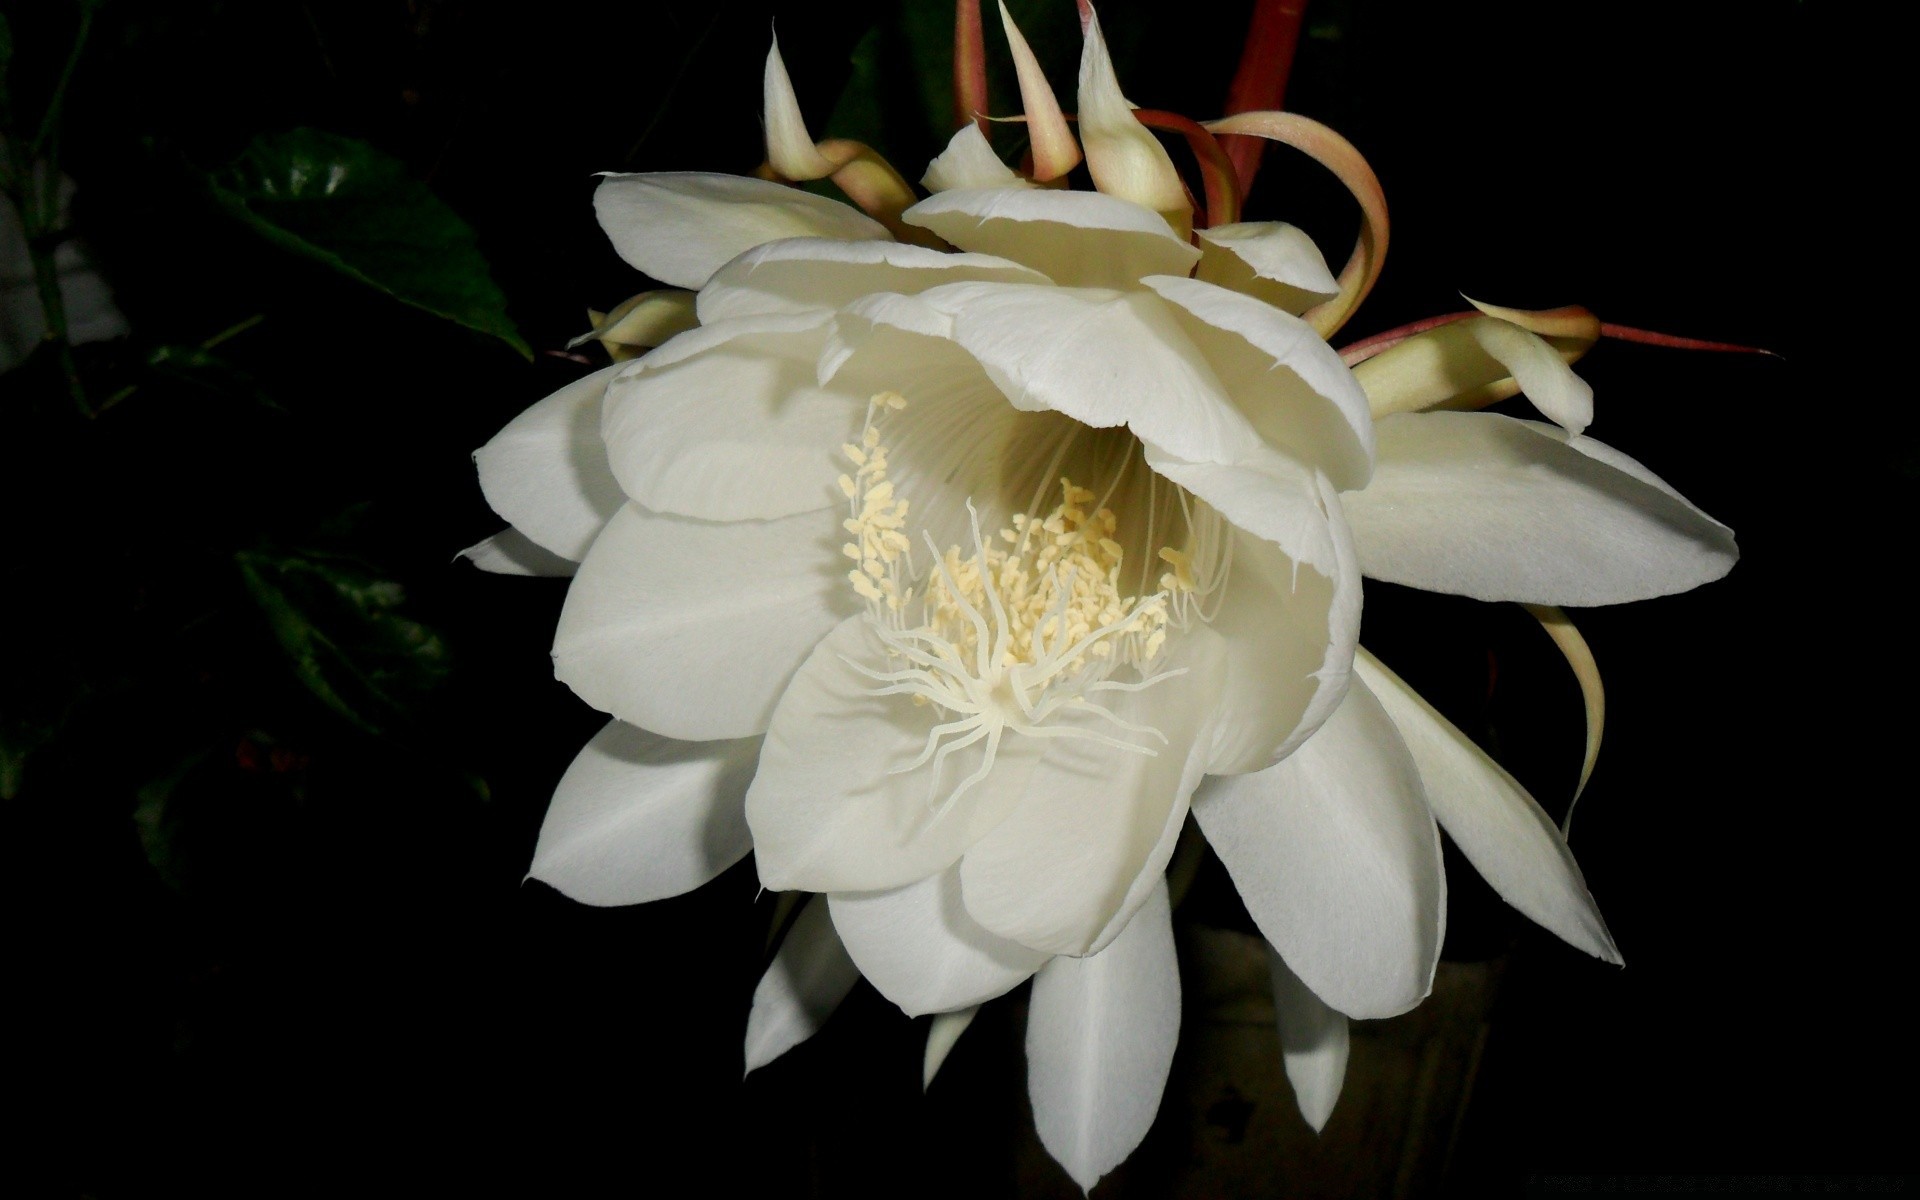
x=339, y=623
x=343, y=203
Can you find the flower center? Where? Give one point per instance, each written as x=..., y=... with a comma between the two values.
x=1030, y=625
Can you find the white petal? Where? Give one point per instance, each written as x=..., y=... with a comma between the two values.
x=1076, y=239
x=511, y=552
x=1338, y=860
x=1486, y=506
x=729, y=422
x=547, y=472
x=809, y=978
x=942, y=1033
x=1292, y=634
x=1100, y=1039
x=640, y=817
x=969, y=162
x=1103, y=358
x=692, y=628
x=1313, y=1043
x=1123, y=156
x=1497, y=825
x=1288, y=382
x=920, y=948
x=827, y=809
x=1268, y=260
x=1272, y=496
x=804, y=274
x=1542, y=374
x=1066, y=869
x=682, y=226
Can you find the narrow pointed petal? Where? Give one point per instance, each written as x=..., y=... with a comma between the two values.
x=1282, y=377
x=511, y=552
x=918, y=946
x=1471, y=364
x=1054, y=150
x=790, y=148
x=1338, y=860
x=809, y=978
x=1481, y=505
x=547, y=471
x=1539, y=371
x=1124, y=158
x=1076, y=239
x=942, y=1034
x=1268, y=260
x=641, y=322
x=1313, y=1043
x=1100, y=1039
x=1068, y=867
x=829, y=808
x=1496, y=824
x=681, y=227
x=663, y=600
x=969, y=162
x=1593, y=692
x=809, y=274
x=640, y=817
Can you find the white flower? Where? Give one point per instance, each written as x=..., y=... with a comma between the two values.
x=942, y=579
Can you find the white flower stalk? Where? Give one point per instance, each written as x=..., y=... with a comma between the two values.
x=948, y=579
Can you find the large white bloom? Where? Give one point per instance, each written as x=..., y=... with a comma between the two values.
x=942, y=578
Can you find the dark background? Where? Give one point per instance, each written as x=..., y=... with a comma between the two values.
x=266, y=948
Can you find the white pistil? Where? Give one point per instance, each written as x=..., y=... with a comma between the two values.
x=1013, y=635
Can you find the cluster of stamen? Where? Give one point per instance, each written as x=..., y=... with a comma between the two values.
x=1028, y=626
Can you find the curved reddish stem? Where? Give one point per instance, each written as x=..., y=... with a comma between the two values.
x=969, y=65
x=1647, y=337
x=1355, y=353
x=1216, y=167
x=1260, y=82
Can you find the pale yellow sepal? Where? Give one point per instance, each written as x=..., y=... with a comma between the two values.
x=1055, y=152
x=1123, y=156
x=639, y=323
x=1579, y=656
x=1338, y=155
x=941, y=1036
x=969, y=162
x=868, y=179
x=1451, y=366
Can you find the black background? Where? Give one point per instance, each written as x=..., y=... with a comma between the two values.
x=359, y=995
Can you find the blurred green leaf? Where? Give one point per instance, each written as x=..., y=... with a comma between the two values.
x=340, y=624
x=345, y=204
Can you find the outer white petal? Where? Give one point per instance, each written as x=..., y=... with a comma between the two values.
x=1076, y=239
x=969, y=162
x=1288, y=382
x=1100, y=1039
x=511, y=552
x=640, y=817
x=828, y=811
x=692, y=628
x=547, y=472
x=1067, y=869
x=729, y=422
x=1313, y=1043
x=1496, y=824
x=809, y=978
x=1268, y=260
x=682, y=226
x=1338, y=860
x=1486, y=506
x=1272, y=496
x=1293, y=634
x=920, y=948
x=804, y=274
x=1103, y=358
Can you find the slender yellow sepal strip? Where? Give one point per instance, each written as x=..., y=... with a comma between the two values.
x=1123, y=156
x=1338, y=155
x=1055, y=152
x=856, y=169
x=1448, y=366
x=639, y=323
x=941, y=1035
x=1580, y=657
